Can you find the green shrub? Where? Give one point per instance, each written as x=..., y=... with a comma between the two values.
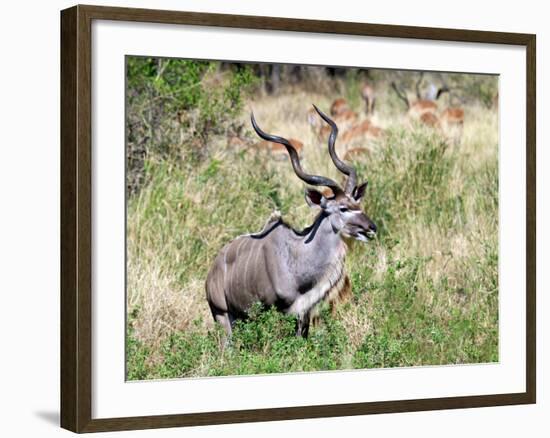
x=171, y=102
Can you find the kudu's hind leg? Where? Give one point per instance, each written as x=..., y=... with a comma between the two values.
x=225, y=321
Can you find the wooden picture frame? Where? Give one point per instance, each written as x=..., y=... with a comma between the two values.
x=76, y=218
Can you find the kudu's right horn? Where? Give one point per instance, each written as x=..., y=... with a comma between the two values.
x=346, y=169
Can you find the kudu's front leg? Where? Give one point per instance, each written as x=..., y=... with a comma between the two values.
x=302, y=326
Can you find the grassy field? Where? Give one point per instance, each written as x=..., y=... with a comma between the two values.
x=425, y=292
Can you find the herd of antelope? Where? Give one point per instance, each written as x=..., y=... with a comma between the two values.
x=425, y=109
x=358, y=131
x=296, y=270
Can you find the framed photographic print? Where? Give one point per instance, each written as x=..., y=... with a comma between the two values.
x=268, y=219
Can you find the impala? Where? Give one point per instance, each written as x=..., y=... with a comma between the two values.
x=339, y=106
x=369, y=97
x=431, y=120
x=453, y=116
x=363, y=130
x=416, y=108
x=423, y=104
x=342, y=115
x=290, y=269
x=452, y=120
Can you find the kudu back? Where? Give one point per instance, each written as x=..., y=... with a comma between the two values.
x=283, y=267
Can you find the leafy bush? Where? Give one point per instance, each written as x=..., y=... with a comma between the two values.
x=171, y=102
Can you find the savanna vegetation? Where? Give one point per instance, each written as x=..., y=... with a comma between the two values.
x=425, y=292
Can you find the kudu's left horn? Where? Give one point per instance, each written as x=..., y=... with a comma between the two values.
x=315, y=180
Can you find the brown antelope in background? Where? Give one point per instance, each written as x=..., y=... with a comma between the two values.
x=423, y=104
x=431, y=120
x=339, y=106
x=293, y=270
x=452, y=121
x=342, y=115
x=363, y=130
x=345, y=120
x=416, y=108
x=369, y=97
x=425, y=110
x=453, y=116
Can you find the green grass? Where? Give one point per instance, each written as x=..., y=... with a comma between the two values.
x=265, y=343
x=424, y=293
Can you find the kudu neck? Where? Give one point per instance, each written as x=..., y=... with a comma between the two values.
x=321, y=252
x=322, y=236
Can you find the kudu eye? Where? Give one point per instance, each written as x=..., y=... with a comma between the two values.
x=344, y=209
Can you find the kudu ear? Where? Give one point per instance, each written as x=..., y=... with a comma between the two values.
x=359, y=191
x=315, y=198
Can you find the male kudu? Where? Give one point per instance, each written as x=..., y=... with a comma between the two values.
x=292, y=270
